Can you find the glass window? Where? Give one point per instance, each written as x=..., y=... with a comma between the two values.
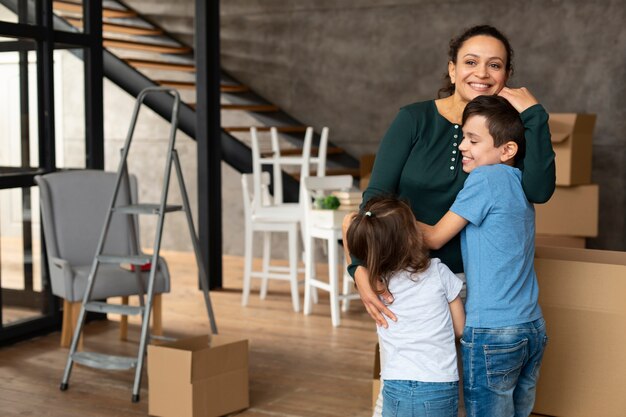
x=70, y=13
x=20, y=259
x=18, y=108
x=20, y=11
x=69, y=97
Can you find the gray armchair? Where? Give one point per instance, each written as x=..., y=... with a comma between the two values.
x=73, y=208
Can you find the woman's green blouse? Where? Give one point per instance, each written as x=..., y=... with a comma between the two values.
x=419, y=161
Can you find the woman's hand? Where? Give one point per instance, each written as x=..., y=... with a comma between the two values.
x=520, y=98
x=375, y=308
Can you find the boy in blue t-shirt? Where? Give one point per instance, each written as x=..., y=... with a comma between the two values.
x=504, y=337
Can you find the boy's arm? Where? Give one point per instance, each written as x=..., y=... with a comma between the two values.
x=438, y=235
x=458, y=316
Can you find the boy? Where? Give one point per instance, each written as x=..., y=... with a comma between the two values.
x=504, y=338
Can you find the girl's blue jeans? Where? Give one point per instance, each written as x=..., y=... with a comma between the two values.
x=501, y=368
x=420, y=399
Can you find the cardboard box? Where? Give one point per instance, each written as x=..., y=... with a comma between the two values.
x=194, y=378
x=572, y=211
x=561, y=241
x=376, y=376
x=571, y=139
x=581, y=292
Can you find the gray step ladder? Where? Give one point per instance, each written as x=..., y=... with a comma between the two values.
x=112, y=362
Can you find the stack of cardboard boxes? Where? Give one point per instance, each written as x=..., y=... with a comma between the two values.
x=581, y=291
x=571, y=215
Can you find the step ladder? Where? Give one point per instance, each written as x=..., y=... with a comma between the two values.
x=112, y=362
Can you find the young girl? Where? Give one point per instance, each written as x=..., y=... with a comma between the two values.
x=419, y=374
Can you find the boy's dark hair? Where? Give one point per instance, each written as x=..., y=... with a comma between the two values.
x=503, y=121
x=386, y=237
x=457, y=43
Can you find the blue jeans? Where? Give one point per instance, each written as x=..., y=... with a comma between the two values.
x=420, y=399
x=501, y=368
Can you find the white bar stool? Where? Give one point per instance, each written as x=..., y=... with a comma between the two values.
x=325, y=224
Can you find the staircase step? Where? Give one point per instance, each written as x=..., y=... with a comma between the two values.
x=162, y=65
x=145, y=209
x=120, y=259
x=102, y=361
x=67, y=6
x=102, y=307
x=258, y=108
x=297, y=151
x=283, y=129
x=224, y=88
x=233, y=88
x=115, y=28
x=145, y=46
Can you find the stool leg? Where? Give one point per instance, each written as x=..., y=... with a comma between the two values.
x=293, y=267
x=345, y=303
x=314, y=295
x=247, y=265
x=333, y=281
x=347, y=281
x=309, y=267
x=267, y=245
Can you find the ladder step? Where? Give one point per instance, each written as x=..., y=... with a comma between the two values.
x=120, y=259
x=162, y=65
x=102, y=361
x=115, y=28
x=145, y=46
x=145, y=209
x=67, y=6
x=283, y=129
x=102, y=307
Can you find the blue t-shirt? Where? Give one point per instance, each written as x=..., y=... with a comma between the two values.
x=498, y=248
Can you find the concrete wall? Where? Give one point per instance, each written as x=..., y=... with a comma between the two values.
x=351, y=64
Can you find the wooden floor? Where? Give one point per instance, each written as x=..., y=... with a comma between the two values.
x=299, y=365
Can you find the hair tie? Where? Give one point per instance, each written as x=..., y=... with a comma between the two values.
x=368, y=213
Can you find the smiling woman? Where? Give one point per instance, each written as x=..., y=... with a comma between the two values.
x=419, y=160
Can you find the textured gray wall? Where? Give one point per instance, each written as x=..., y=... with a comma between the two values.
x=351, y=64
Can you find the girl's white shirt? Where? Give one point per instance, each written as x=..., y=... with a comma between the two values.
x=420, y=346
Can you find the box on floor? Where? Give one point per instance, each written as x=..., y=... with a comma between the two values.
x=198, y=377
x=572, y=135
x=581, y=293
x=572, y=211
x=560, y=241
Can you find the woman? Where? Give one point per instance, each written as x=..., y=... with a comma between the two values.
x=418, y=158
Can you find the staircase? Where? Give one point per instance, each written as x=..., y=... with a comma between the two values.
x=139, y=53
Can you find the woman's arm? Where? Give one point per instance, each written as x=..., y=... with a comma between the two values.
x=438, y=235
x=457, y=311
x=375, y=308
x=538, y=169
